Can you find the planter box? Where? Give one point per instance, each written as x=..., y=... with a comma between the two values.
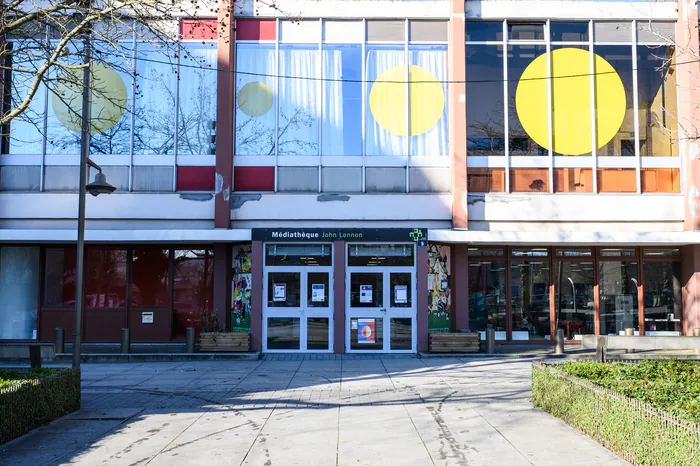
x=454, y=343
x=210, y=342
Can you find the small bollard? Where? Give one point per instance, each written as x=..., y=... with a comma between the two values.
x=35, y=356
x=490, y=341
x=189, y=342
x=600, y=349
x=559, y=341
x=629, y=332
x=696, y=333
x=59, y=340
x=126, y=341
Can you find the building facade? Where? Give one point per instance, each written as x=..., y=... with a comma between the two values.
x=365, y=173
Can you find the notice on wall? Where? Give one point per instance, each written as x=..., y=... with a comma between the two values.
x=400, y=294
x=279, y=292
x=146, y=317
x=365, y=293
x=365, y=331
x=318, y=292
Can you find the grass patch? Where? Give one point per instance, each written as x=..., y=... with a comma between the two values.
x=672, y=386
x=9, y=377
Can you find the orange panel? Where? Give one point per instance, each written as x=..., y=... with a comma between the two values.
x=617, y=180
x=573, y=180
x=661, y=180
x=526, y=180
x=486, y=180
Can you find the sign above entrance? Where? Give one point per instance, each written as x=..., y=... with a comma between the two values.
x=416, y=235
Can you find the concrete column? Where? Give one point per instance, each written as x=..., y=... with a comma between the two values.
x=690, y=278
x=338, y=297
x=225, y=116
x=689, y=108
x=460, y=287
x=458, y=112
x=256, y=299
x=422, y=298
x=222, y=284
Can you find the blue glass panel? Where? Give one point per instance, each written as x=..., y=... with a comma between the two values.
x=342, y=108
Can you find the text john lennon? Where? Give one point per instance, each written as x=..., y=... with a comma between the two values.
x=314, y=235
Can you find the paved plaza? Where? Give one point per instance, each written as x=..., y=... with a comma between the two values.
x=350, y=411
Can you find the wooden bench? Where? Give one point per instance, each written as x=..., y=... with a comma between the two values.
x=454, y=342
x=603, y=343
x=231, y=342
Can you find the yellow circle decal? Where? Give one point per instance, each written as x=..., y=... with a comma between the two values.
x=255, y=99
x=571, y=101
x=387, y=100
x=108, y=100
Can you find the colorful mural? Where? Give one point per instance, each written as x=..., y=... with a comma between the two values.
x=439, y=295
x=241, y=288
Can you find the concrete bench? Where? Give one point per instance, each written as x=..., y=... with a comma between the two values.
x=603, y=343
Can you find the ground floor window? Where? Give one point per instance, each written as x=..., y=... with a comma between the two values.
x=19, y=289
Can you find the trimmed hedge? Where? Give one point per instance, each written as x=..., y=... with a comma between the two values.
x=34, y=402
x=634, y=430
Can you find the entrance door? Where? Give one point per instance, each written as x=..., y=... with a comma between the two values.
x=298, y=303
x=380, y=309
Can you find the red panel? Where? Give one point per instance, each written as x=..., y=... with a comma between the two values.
x=255, y=29
x=195, y=178
x=198, y=29
x=253, y=178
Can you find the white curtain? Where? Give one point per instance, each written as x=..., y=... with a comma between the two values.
x=19, y=288
x=379, y=141
x=434, y=141
x=197, y=99
x=333, y=103
x=298, y=118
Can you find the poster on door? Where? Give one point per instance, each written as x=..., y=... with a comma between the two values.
x=241, y=288
x=279, y=293
x=439, y=293
x=318, y=292
x=365, y=293
x=365, y=331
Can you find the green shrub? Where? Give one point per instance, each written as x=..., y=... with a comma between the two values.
x=30, y=399
x=629, y=427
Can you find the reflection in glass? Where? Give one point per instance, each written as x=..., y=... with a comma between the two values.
x=255, y=99
x=524, y=31
x=400, y=289
x=484, y=30
x=569, y=31
x=105, y=278
x=59, y=277
x=389, y=59
x=197, y=99
x=316, y=333
x=366, y=289
x=524, y=180
x=155, y=101
x=519, y=57
x=384, y=255
x=620, y=58
x=401, y=333
x=574, y=307
x=658, y=101
x=660, y=180
x=19, y=288
x=194, y=290
x=573, y=180
x=423, y=100
x=362, y=338
x=485, y=119
x=60, y=139
x=618, y=297
x=283, y=289
x=486, y=180
x=149, y=277
x=530, y=300
x=342, y=107
x=663, y=308
x=298, y=107
x=283, y=333
x=487, y=296
x=317, y=289
x=298, y=254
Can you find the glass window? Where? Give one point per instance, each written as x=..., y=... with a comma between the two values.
x=317, y=289
x=486, y=180
x=401, y=289
x=401, y=333
x=613, y=252
x=484, y=30
x=519, y=57
x=617, y=180
x=342, y=107
x=284, y=289
x=534, y=252
x=385, y=255
x=571, y=100
x=618, y=297
x=663, y=308
x=662, y=252
x=197, y=99
x=574, y=253
x=569, y=31
x=523, y=31
x=530, y=300
x=366, y=333
x=65, y=103
x=524, y=180
x=573, y=180
x=298, y=107
x=105, y=278
x=386, y=100
x=283, y=333
x=317, y=333
x=156, y=75
x=661, y=180
x=366, y=289
x=574, y=304
x=658, y=101
x=485, y=117
x=255, y=99
x=487, y=296
x=194, y=291
x=488, y=252
x=59, y=277
x=428, y=100
x=149, y=277
x=19, y=288
x=298, y=254
x=620, y=58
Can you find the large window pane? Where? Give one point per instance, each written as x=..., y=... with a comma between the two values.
x=386, y=103
x=530, y=300
x=486, y=180
x=59, y=277
x=485, y=118
x=105, y=278
x=298, y=254
x=366, y=289
x=618, y=297
x=571, y=100
x=19, y=288
x=520, y=143
x=573, y=285
x=484, y=30
x=620, y=58
x=149, y=277
x=284, y=289
x=487, y=296
x=298, y=117
x=317, y=333
x=194, y=291
x=658, y=101
x=156, y=77
x=380, y=255
x=366, y=333
x=428, y=104
x=342, y=107
x=663, y=308
x=63, y=120
x=283, y=333
x=197, y=99
x=255, y=99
